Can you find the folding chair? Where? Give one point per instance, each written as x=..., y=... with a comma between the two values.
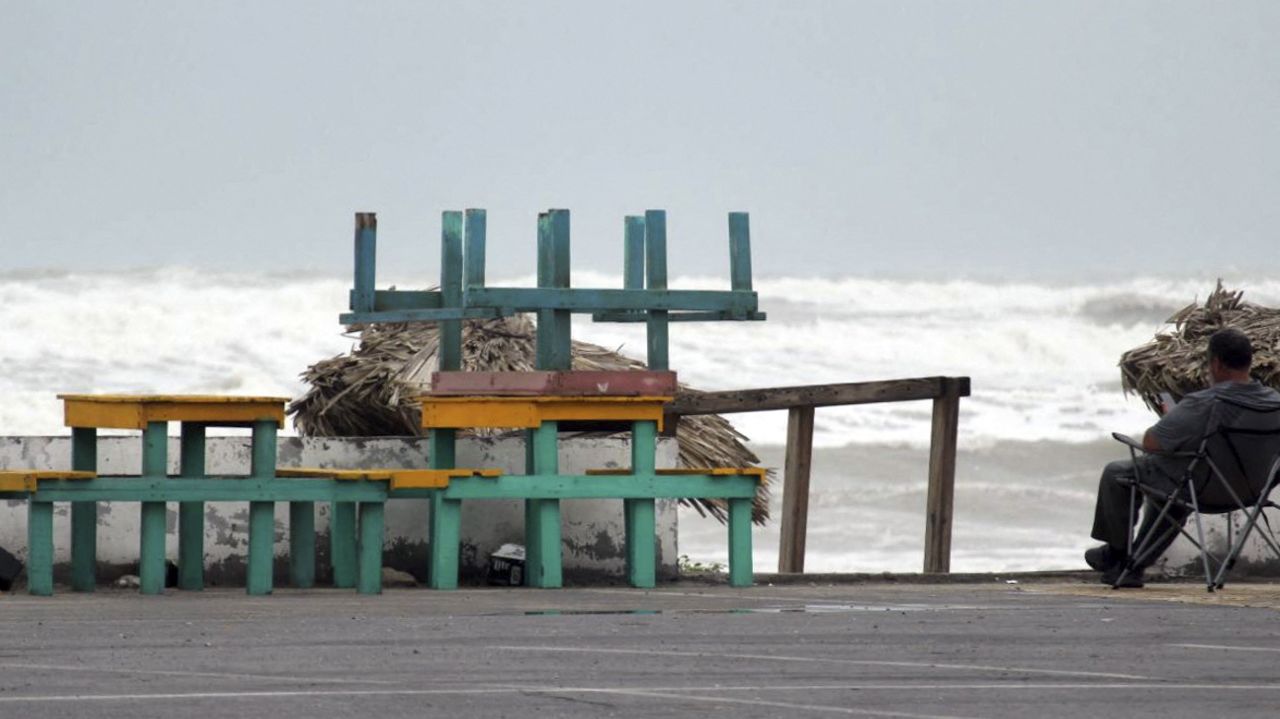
x=1233, y=468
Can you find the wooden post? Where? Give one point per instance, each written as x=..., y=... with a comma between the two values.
x=191, y=514
x=362, y=298
x=942, y=477
x=84, y=515
x=795, y=490
x=151, y=537
x=655, y=247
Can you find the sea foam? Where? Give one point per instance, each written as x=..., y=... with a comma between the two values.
x=1042, y=358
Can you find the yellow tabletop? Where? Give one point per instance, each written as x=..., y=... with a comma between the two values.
x=531, y=412
x=136, y=411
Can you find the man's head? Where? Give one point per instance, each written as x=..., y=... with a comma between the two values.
x=1230, y=356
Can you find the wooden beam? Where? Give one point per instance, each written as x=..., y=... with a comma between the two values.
x=795, y=490
x=942, y=476
x=823, y=395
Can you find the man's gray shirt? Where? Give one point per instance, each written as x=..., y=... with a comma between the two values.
x=1187, y=422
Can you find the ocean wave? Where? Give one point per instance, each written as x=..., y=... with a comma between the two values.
x=1042, y=357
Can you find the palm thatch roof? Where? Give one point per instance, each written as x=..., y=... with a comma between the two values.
x=1174, y=361
x=370, y=391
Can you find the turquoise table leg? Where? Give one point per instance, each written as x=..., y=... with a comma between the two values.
x=262, y=538
x=40, y=548
x=84, y=515
x=302, y=544
x=639, y=514
x=542, y=516
x=740, y=570
x=446, y=515
x=446, y=537
x=191, y=514
x=155, y=463
x=371, y=534
x=342, y=543
x=262, y=515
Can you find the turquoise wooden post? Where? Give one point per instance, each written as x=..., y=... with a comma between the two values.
x=191, y=514
x=371, y=534
x=262, y=515
x=366, y=251
x=554, y=352
x=342, y=543
x=740, y=569
x=302, y=544
x=84, y=515
x=474, y=255
x=155, y=464
x=655, y=243
x=638, y=514
x=633, y=253
x=446, y=517
x=40, y=548
x=446, y=514
x=739, y=251
x=542, y=516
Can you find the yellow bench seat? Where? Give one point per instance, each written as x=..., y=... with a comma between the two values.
x=26, y=480
x=399, y=478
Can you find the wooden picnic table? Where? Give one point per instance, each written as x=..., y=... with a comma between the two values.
x=262, y=487
x=543, y=485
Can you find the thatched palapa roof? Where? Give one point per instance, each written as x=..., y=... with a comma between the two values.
x=1174, y=361
x=370, y=391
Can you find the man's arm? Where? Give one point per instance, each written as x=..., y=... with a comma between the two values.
x=1149, y=441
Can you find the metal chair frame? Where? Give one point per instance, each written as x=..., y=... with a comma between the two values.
x=1187, y=495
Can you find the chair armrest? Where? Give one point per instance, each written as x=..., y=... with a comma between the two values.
x=1126, y=439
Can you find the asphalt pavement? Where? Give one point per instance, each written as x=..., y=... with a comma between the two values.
x=863, y=649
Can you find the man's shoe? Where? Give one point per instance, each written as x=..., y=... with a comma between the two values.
x=1101, y=558
x=1131, y=579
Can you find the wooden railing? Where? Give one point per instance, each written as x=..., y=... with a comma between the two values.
x=801, y=402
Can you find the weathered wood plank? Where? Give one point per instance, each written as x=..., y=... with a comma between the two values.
x=591, y=300
x=642, y=316
x=942, y=475
x=634, y=383
x=823, y=395
x=795, y=490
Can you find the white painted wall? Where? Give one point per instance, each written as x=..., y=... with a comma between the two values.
x=592, y=529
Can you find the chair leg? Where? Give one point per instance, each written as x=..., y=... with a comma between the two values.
x=1204, y=551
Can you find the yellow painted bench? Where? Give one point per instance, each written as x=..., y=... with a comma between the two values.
x=531, y=412
x=25, y=480
x=136, y=411
x=399, y=478
x=757, y=472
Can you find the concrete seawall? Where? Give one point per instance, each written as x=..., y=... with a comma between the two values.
x=592, y=529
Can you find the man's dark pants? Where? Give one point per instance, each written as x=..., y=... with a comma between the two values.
x=1112, y=522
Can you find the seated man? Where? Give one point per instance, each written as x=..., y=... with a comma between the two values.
x=1180, y=428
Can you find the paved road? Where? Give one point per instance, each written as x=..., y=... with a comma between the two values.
x=852, y=650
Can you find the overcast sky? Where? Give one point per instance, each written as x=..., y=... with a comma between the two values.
x=1020, y=140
